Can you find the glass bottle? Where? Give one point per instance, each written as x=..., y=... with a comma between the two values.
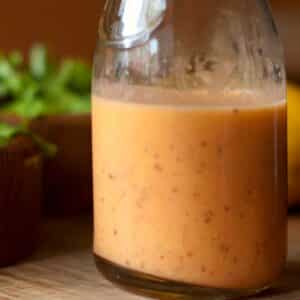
x=189, y=147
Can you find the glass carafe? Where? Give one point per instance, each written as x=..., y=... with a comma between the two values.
x=189, y=147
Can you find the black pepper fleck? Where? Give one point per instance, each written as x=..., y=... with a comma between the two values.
x=158, y=167
x=207, y=220
x=210, y=213
x=209, y=65
x=208, y=216
x=220, y=150
x=203, y=144
x=226, y=208
x=111, y=176
x=249, y=192
x=189, y=254
x=235, y=47
x=201, y=57
x=192, y=67
x=175, y=190
x=224, y=248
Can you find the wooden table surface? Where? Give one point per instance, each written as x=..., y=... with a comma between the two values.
x=63, y=268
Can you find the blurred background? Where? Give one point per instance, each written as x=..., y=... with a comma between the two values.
x=47, y=101
x=69, y=27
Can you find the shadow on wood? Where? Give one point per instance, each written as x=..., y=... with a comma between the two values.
x=62, y=236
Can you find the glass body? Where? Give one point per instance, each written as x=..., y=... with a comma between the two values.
x=189, y=147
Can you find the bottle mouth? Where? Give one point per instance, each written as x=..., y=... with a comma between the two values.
x=130, y=23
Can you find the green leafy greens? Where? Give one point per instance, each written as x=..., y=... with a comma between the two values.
x=43, y=87
x=40, y=87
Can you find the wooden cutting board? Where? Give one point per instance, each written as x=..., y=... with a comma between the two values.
x=63, y=268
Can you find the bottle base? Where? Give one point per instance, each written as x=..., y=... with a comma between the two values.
x=147, y=285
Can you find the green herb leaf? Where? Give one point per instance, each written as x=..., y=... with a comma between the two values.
x=3, y=90
x=15, y=59
x=43, y=88
x=6, y=70
x=8, y=132
x=48, y=149
x=75, y=75
x=38, y=61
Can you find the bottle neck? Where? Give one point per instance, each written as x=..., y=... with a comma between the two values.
x=128, y=23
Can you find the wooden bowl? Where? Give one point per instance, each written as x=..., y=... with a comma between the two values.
x=20, y=200
x=294, y=187
x=67, y=176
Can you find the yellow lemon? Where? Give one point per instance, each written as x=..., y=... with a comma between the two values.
x=294, y=142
